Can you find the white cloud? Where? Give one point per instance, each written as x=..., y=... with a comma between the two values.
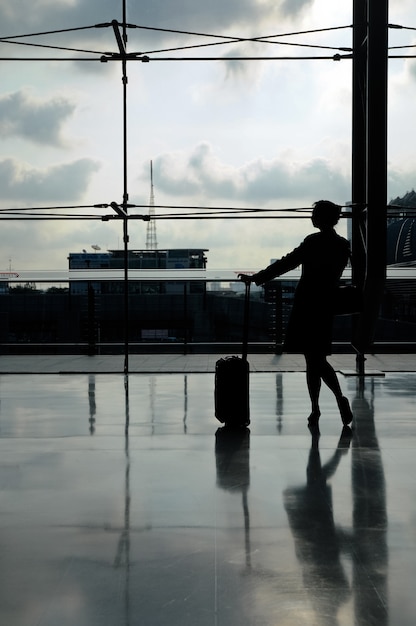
x=186, y=15
x=263, y=182
x=294, y=7
x=36, y=120
x=58, y=183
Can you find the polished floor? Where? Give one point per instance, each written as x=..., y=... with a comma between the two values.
x=124, y=502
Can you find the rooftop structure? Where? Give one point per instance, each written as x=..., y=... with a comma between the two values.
x=164, y=259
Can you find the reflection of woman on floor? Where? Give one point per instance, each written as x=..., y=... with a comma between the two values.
x=317, y=540
x=323, y=257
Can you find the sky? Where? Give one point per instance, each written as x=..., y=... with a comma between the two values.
x=228, y=132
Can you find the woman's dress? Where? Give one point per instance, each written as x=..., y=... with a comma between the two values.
x=323, y=257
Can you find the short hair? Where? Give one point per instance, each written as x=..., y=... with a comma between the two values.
x=326, y=213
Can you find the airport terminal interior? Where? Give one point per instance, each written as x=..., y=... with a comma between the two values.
x=124, y=501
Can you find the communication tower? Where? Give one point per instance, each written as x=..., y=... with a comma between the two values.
x=151, y=241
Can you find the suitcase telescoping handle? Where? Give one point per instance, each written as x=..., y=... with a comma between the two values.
x=246, y=320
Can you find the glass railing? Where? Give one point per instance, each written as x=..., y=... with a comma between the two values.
x=184, y=310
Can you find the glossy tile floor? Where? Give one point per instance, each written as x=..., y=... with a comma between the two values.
x=124, y=502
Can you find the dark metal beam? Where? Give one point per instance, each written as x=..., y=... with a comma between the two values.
x=374, y=232
x=359, y=138
x=359, y=159
x=122, y=210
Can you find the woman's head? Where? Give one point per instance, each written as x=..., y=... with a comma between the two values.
x=325, y=214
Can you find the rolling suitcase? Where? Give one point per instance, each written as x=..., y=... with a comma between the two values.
x=232, y=373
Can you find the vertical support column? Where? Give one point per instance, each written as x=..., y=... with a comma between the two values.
x=185, y=318
x=376, y=170
x=126, y=295
x=91, y=321
x=122, y=44
x=359, y=129
x=278, y=317
x=359, y=158
x=376, y=162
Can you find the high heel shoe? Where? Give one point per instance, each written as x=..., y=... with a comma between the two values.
x=313, y=418
x=345, y=410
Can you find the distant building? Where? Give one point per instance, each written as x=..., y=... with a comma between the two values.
x=168, y=258
x=401, y=230
x=5, y=277
x=89, y=260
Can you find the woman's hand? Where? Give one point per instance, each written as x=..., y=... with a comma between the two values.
x=246, y=278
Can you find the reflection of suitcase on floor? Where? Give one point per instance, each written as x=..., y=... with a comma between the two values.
x=232, y=397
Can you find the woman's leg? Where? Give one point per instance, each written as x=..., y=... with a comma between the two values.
x=313, y=381
x=317, y=369
x=330, y=378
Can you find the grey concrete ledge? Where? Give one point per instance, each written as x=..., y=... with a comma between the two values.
x=204, y=363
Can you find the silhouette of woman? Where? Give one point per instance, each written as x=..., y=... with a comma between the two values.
x=323, y=257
